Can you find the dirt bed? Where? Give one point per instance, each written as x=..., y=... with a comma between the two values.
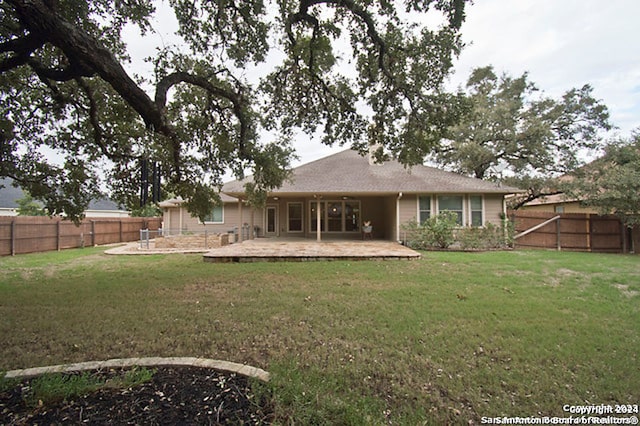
x=174, y=395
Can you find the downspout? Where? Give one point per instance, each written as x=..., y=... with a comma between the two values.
x=398, y=217
x=240, y=230
x=505, y=222
x=180, y=219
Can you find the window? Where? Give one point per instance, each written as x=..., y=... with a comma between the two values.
x=294, y=217
x=452, y=203
x=335, y=216
x=476, y=210
x=352, y=216
x=216, y=215
x=424, y=208
x=558, y=209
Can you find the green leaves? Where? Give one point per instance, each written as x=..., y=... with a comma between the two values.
x=611, y=184
x=228, y=90
x=513, y=128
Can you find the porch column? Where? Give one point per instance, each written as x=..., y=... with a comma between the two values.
x=239, y=220
x=398, y=217
x=251, y=223
x=318, y=224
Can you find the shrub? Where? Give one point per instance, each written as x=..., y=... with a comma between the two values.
x=437, y=231
x=442, y=231
x=488, y=237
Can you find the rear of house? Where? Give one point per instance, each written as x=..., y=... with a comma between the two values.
x=332, y=198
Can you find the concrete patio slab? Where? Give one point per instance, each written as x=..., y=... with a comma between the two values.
x=274, y=250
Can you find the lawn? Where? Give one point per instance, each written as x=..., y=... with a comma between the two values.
x=446, y=339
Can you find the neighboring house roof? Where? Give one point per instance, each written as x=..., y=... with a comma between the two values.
x=9, y=194
x=551, y=199
x=349, y=172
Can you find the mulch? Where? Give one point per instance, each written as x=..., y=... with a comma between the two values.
x=174, y=395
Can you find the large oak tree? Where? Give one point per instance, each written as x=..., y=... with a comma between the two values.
x=513, y=132
x=611, y=184
x=358, y=72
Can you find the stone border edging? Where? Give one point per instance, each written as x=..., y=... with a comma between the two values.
x=231, y=367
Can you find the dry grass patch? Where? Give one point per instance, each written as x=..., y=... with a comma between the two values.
x=448, y=338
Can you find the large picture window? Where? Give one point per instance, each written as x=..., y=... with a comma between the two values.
x=452, y=203
x=216, y=215
x=294, y=217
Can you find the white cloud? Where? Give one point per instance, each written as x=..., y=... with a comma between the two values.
x=562, y=44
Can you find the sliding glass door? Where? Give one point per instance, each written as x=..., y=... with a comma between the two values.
x=335, y=216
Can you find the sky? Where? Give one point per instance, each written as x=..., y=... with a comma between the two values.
x=562, y=44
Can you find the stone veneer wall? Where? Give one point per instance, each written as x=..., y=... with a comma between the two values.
x=193, y=241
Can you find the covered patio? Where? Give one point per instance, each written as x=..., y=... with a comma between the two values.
x=298, y=250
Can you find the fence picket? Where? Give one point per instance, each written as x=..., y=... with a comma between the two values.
x=29, y=234
x=579, y=232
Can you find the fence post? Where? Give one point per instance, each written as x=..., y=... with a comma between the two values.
x=13, y=237
x=559, y=248
x=58, y=235
x=120, y=230
x=93, y=233
x=588, y=220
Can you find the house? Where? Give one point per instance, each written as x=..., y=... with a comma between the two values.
x=97, y=208
x=558, y=203
x=333, y=197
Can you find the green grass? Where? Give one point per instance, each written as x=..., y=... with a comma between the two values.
x=55, y=387
x=447, y=339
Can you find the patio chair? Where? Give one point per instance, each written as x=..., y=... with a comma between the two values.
x=367, y=232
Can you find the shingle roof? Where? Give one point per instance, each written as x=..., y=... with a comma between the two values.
x=349, y=172
x=9, y=194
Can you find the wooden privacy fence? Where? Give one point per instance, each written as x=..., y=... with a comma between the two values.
x=573, y=232
x=29, y=234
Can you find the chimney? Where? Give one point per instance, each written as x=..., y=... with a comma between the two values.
x=373, y=149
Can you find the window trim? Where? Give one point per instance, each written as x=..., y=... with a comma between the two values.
x=482, y=210
x=467, y=212
x=301, y=203
x=210, y=222
x=431, y=209
x=463, y=197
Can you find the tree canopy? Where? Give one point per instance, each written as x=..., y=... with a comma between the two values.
x=611, y=184
x=357, y=71
x=27, y=206
x=512, y=132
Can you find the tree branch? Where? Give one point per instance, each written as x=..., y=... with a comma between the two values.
x=22, y=47
x=80, y=47
x=98, y=133
x=236, y=99
x=531, y=195
x=41, y=20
